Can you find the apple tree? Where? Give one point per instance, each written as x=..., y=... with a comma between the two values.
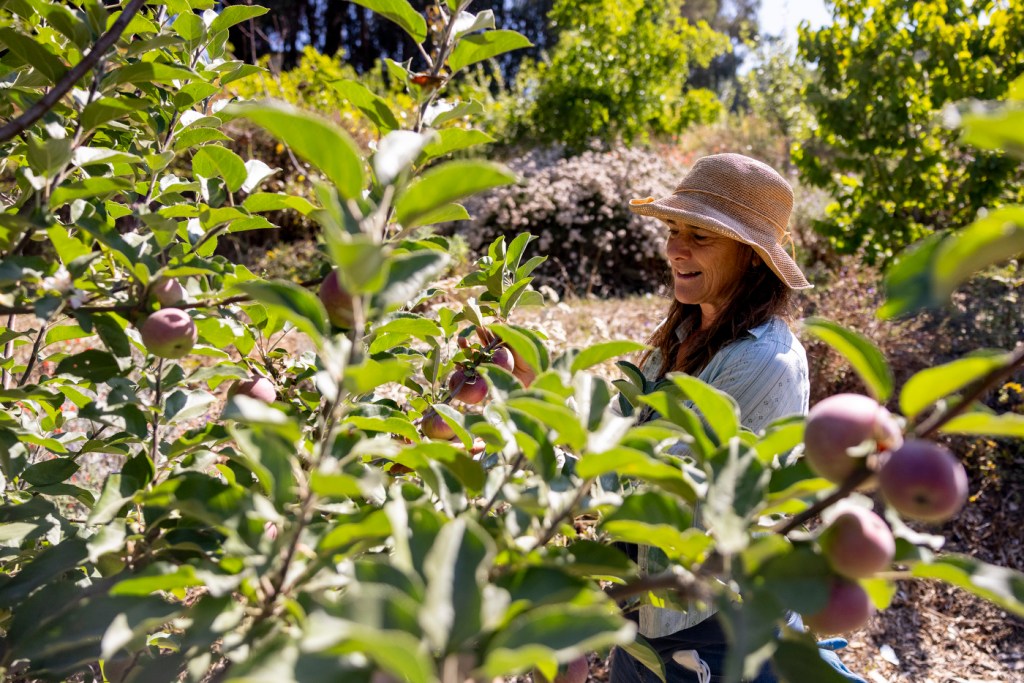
x=428, y=491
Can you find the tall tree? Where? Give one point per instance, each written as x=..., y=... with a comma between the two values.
x=886, y=72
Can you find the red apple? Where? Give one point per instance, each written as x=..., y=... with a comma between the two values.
x=858, y=543
x=168, y=292
x=848, y=609
x=433, y=426
x=467, y=388
x=923, y=480
x=337, y=301
x=843, y=422
x=169, y=333
x=259, y=388
x=502, y=357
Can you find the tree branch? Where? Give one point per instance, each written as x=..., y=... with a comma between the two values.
x=53, y=96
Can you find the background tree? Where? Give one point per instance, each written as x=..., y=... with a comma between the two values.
x=736, y=19
x=620, y=69
x=886, y=70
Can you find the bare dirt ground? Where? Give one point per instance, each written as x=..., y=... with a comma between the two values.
x=932, y=633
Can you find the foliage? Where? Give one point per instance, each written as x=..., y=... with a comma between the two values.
x=619, y=70
x=885, y=72
x=322, y=536
x=578, y=209
x=774, y=90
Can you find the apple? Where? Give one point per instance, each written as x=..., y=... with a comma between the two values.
x=924, y=481
x=168, y=292
x=858, y=543
x=258, y=387
x=843, y=422
x=337, y=301
x=169, y=333
x=576, y=671
x=848, y=608
x=502, y=357
x=467, y=388
x=433, y=426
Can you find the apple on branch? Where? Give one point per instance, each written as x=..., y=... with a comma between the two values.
x=169, y=333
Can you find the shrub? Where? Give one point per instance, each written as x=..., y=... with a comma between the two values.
x=578, y=207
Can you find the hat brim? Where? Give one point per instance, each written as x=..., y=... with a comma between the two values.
x=768, y=248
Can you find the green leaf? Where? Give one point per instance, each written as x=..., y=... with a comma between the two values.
x=556, y=416
x=318, y=141
x=642, y=651
x=563, y=632
x=373, y=106
x=157, y=577
x=87, y=188
x=49, y=472
x=599, y=353
x=999, y=585
x=719, y=409
x=213, y=161
x=931, y=384
x=442, y=214
x=454, y=140
x=459, y=111
x=190, y=137
x=422, y=328
x=146, y=72
x=385, y=425
x=986, y=424
x=521, y=343
x=993, y=239
x=270, y=201
x=863, y=355
x=798, y=660
x=446, y=183
x=293, y=303
x=33, y=54
x=456, y=569
x=93, y=365
x=235, y=14
x=633, y=463
x=1002, y=130
x=106, y=109
x=400, y=12
x=478, y=47
x=407, y=276
x=370, y=374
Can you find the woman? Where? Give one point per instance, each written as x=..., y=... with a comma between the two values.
x=727, y=325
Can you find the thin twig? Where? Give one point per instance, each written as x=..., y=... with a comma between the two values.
x=685, y=586
x=54, y=95
x=552, y=529
x=157, y=410
x=35, y=353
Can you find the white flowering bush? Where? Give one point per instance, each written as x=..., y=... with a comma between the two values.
x=578, y=208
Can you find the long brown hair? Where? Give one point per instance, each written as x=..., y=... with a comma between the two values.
x=758, y=296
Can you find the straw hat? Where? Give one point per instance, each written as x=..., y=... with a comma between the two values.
x=739, y=197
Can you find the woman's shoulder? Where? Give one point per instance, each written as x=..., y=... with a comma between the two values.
x=772, y=342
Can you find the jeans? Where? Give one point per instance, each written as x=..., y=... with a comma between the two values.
x=708, y=640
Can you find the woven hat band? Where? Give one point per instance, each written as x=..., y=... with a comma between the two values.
x=756, y=219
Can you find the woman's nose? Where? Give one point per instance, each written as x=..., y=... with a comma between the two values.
x=676, y=249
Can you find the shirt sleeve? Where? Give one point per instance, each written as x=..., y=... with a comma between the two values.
x=766, y=376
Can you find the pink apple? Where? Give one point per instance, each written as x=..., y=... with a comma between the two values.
x=258, y=387
x=168, y=291
x=858, y=543
x=337, y=301
x=923, y=480
x=169, y=333
x=843, y=422
x=848, y=609
x=467, y=388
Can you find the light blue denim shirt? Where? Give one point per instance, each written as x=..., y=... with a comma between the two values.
x=766, y=372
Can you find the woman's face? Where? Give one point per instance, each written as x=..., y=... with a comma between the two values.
x=706, y=267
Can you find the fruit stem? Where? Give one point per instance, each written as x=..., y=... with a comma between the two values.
x=845, y=489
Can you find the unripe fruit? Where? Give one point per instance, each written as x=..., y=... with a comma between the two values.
x=467, y=389
x=259, y=388
x=433, y=426
x=169, y=333
x=858, y=543
x=576, y=671
x=502, y=357
x=923, y=480
x=842, y=422
x=848, y=609
x=168, y=292
x=337, y=301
